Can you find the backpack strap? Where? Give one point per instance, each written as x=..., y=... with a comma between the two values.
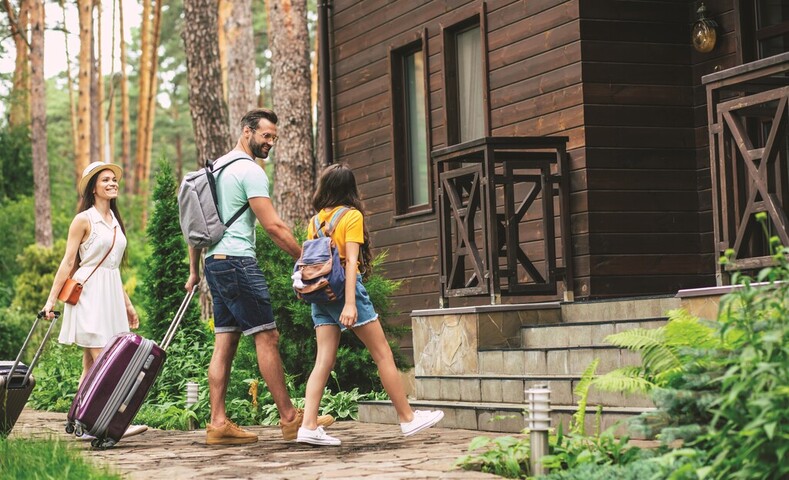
x=320, y=231
x=209, y=172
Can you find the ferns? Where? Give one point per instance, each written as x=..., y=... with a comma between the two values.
x=582, y=392
x=661, y=352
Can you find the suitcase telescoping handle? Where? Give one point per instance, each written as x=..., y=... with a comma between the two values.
x=38, y=352
x=179, y=315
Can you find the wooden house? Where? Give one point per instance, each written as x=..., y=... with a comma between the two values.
x=513, y=152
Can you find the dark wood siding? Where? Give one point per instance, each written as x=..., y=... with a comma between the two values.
x=642, y=155
x=618, y=77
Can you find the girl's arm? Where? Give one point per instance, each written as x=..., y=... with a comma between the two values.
x=77, y=232
x=348, y=315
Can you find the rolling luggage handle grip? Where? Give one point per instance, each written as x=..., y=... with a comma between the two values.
x=38, y=352
x=179, y=315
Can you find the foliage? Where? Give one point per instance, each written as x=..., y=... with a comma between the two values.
x=57, y=375
x=166, y=268
x=47, y=459
x=354, y=365
x=14, y=325
x=505, y=456
x=16, y=163
x=39, y=265
x=665, y=352
x=582, y=392
x=576, y=449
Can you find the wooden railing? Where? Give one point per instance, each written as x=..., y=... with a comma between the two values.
x=497, y=202
x=748, y=112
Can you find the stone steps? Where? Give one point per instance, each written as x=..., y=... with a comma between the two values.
x=497, y=417
x=510, y=389
x=554, y=361
x=581, y=334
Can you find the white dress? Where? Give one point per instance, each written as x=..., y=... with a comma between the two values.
x=100, y=312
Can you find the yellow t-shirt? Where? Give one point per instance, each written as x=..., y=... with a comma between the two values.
x=349, y=229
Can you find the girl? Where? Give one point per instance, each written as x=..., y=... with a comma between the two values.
x=96, y=237
x=337, y=188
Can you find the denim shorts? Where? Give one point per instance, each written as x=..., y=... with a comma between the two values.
x=241, y=299
x=329, y=313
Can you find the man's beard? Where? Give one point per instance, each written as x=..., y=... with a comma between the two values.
x=258, y=149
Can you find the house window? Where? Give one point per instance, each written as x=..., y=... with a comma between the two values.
x=772, y=27
x=410, y=129
x=464, y=83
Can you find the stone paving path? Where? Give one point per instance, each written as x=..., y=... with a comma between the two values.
x=369, y=451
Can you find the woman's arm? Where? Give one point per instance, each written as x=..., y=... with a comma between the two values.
x=349, y=313
x=131, y=313
x=77, y=232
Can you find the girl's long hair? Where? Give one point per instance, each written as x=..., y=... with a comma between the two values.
x=89, y=199
x=337, y=186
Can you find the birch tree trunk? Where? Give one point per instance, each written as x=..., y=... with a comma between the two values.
x=290, y=77
x=38, y=116
x=240, y=67
x=83, y=96
x=206, y=103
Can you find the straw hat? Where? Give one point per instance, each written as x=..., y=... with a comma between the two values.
x=93, y=169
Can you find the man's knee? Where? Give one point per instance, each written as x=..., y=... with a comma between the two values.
x=267, y=338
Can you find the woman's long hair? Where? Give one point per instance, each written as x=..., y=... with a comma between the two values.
x=337, y=186
x=89, y=199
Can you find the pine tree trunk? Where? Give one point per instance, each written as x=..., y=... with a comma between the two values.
x=206, y=103
x=207, y=107
x=19, y=114
x=100, y=90
x=144, y=75
x=70, y=86
x=111, y=119
x=38, y=115
x=290, y=78
x=95, y=105
x=240, y=70
x=85, y=74
x=154, y=85
x=224, y=7
x=125, y=116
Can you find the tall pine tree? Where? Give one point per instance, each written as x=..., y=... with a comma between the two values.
x=166, y=268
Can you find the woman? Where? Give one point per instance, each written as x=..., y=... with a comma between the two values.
x=96, y=237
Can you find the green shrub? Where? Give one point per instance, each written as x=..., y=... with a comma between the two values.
x=14, y=325
x=505, y=456
x=57, y=375
x=39, y=265
x=166, y=268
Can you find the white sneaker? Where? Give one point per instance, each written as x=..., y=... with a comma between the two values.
x=316, y=437
x=134, y=430
x=422, y=419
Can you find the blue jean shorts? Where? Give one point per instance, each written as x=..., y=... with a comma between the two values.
x=241, y=299
x=329, y=313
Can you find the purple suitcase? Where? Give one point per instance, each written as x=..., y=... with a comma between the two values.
x=16, y=381
x=117, y=384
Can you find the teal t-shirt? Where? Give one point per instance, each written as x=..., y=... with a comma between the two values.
x=235, y=185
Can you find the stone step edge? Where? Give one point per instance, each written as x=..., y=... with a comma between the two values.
x=594, y=322
x=545, y=349
x=515, y=407
x=503, y=376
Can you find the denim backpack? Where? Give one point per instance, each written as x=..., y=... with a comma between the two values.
x=319, y=276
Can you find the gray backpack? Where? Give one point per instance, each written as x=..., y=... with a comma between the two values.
x=198, y=207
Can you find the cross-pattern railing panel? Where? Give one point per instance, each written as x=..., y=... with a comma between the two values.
x=488, y=190
x=748, y=113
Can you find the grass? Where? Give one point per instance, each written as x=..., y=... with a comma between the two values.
x=23, y=458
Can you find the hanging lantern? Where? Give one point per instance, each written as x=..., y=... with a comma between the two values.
x=703, y=34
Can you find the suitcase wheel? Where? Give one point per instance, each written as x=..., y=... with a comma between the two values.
x=70, y=428
x=78, y=432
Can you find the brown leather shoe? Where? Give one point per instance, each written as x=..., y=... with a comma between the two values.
x=291, y=429
x=228, y=434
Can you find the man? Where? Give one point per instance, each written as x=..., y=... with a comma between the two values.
x=240, y=295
